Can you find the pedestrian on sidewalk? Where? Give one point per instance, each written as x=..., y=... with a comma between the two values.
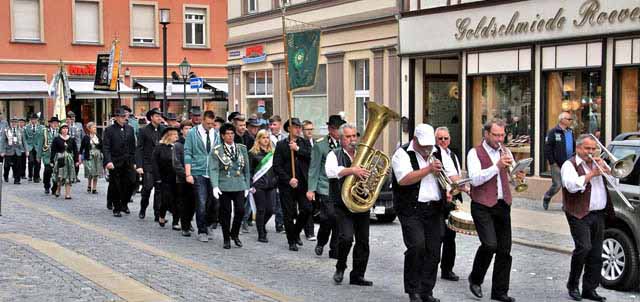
x=65, y=159
x=148, y=139
x=586, y=203
x=559, y=145
x=91, y=150
x=309, y=228
x=186, y=196
x=165, y=175
x=263, y=181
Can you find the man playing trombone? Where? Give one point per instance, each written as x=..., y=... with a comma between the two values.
x=585, y=200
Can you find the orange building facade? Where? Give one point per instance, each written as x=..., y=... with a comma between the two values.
x=37, y=35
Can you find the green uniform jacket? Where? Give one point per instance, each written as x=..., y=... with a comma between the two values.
x=33, y=139
x=46, y=155
x=318, y=181
x=233, y=176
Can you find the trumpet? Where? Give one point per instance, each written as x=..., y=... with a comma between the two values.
x=519, y=184
x=610, y=180
x=453, y=187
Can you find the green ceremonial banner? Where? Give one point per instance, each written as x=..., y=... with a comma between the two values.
x=303, y=51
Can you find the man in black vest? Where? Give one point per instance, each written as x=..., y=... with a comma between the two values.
x=350, y=225
x=419, y=201
x=148, y=139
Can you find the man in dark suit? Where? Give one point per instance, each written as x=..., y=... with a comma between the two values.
x=148, y=139
x=119, y=158
x=292, y=189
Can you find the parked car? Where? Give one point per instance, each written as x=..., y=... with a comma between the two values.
x=621, y=244
x=383, y=210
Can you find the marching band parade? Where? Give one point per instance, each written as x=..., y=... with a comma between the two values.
x=451, y=159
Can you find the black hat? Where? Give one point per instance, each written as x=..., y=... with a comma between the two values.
x=164, y=131
x=195, y=110
x=119, y=112
x=253, y=122
x=22, y=119
x=152, y=112
x=126, y=108
x=54, y=119
x=71, y=114
x=233, y=115
x=295, y=121
x=170, y=116
x=336, y=121
x=34, y=116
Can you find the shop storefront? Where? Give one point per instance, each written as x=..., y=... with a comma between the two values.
x=21, y=96
x=95, y=105
x=524, y=62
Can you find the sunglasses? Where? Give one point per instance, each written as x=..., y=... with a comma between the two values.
x=443, y=138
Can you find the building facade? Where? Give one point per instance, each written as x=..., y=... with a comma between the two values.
x=525, y=62
x=358, y=60
x=39, y=34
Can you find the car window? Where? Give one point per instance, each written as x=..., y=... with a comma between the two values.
x=622, y=151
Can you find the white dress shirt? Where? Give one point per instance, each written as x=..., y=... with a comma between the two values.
x=574, y=183
x=448, y=164
x=331, y=166
x=203, y=136
x=401, y=163
x=478, y=175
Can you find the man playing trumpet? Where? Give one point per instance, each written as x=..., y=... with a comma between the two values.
x=585, y=201
x=489, y=165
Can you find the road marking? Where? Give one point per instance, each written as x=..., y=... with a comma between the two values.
x=159, y=252
x=117, y=283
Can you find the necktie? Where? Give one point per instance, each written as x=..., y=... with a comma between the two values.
x=208, y=143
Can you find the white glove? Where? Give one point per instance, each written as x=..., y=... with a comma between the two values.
x=216, y=192
x=246, y=193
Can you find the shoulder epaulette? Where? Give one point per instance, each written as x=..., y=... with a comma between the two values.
x=320, y=139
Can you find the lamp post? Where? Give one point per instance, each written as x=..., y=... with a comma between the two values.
x=165, y=16
x=185, y=69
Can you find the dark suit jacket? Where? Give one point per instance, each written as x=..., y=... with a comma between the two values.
x=118, y=145
x=148, y=139
x=555, y=149
x=246, y=139
x=282, y=162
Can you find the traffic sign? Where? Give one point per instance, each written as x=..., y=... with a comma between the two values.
x=196, y=83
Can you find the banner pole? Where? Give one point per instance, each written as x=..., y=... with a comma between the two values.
x=286, y=80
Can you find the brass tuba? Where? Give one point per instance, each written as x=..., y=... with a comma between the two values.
x=360, y=195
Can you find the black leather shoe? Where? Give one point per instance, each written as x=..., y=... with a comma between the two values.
x=141, y=215
x=333, y=254
x=451, y=276
x=360, y=281
x=575, y=294
x=503, y=298
x=117, y=214
x=109, y=206
x=186, y=233
x=299, y=241
x=475, y=289
x=227, y=244
x=429, y=298
x=338, y=276
x=414, y=298
x=46, y=191
x=293, y=247
x=37, y=180
x=156, y=218
x=319, y=250
x=545, y=203
x=214, y=225
x=263, y=239
x=592, y=295
x=237, y=241
x=16, y=182
x=127, y=211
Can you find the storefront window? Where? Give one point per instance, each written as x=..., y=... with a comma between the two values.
x=176, y=106
x=312, y=104
x=220, y=108
x=442, y=107
x=361, y=92
x=508, y=97
x=260, y=94
x=629, y=95
x=21, y=108
x=578, y=92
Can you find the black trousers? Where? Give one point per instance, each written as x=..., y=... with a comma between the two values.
x=494, y=230
x=213, y=209
x=264, y=199
x=15, y=163
x=23, y=165
x=352, y=225
x=121, y=180
x=588, y=234
x=422, y=231
x=168, y=195
x=47, y=180
x=328, y=226
x=448, y=255
x=148, y=185
x=228, y=200
x=295, y=211
x=34, y=166
x=186, y=204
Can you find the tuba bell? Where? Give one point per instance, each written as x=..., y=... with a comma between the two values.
x=359, y=195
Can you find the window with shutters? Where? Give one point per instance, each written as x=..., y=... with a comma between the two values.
x=26, y=20
x=87, y=22
x=143, y=24
x=195, y=26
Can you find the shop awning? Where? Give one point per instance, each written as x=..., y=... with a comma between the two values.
x=176, y=91
x=84, y=90
x=23, y=89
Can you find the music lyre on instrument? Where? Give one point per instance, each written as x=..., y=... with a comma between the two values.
x=520, y=185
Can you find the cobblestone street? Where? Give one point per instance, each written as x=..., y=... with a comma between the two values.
x=168, y=266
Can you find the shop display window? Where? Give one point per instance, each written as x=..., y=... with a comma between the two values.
x=629, y=107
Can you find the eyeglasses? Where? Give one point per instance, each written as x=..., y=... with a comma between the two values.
x=443, y=138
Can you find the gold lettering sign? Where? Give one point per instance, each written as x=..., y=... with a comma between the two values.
x=589, y=14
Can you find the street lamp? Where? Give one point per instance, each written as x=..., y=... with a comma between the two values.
x=185, y=69
x=165, y=16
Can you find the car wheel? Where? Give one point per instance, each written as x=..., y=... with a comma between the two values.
x=386, y=218
x=619, y=261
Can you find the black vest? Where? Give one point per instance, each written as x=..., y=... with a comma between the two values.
x=335, y=184
x=406, y=196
